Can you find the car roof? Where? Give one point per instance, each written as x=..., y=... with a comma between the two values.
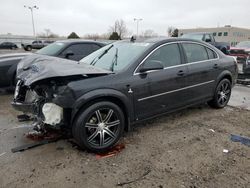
x=75, y=41
x=165, y=40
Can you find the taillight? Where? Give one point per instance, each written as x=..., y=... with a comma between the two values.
x=235, y=63
x=248, y=61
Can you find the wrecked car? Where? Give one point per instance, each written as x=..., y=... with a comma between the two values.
x=121, y=84
x=242, y=52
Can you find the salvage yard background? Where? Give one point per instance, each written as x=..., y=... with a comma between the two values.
x=183, y=149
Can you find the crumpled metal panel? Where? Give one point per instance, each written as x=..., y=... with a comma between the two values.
x=38, y=67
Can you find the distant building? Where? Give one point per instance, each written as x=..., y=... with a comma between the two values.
x=232, y=35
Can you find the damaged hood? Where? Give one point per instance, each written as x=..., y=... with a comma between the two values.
x=37, y=67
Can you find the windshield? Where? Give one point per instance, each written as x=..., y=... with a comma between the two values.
x=193, y=36
x=245, y=44
x=116, y=56
x=51, y=49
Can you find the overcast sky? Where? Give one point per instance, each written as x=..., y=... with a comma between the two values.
x=95, y=16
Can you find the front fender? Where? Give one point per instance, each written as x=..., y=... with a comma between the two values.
x=102, y=93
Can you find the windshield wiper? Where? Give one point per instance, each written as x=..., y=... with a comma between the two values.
x=100, y=56
x=114, y=61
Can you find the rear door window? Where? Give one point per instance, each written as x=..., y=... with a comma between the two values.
x=195, y=52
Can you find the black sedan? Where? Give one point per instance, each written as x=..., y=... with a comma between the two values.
x=8, y=45
x=121, y=84
x=69, y=49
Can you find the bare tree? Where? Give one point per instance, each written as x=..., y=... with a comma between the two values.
x=119, y=27
x=47, y=34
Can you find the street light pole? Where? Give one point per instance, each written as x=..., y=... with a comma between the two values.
x=137, y=20
x=31, y=10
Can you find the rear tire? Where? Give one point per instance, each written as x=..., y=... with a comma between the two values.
x=99, y=126
x=222, y=94
x=28, y=48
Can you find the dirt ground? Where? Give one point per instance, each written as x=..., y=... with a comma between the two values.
x=183, y=149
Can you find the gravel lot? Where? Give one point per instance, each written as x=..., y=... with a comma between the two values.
x=183, y=149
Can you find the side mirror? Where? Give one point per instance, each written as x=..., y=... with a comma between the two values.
x=151, y=65
x=68, y=53
x=208, y=40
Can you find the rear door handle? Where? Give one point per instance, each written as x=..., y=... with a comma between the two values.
x=216, y=66
x=180, y=73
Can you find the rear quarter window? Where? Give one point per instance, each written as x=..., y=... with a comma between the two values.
x=211, y=54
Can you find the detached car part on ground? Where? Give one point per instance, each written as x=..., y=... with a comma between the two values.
x=121, y=84
x=69, y=49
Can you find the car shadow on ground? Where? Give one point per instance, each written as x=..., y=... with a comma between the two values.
x=8, y=91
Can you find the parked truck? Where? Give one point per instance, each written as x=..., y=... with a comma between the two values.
x=209, y=38
x=37, y=44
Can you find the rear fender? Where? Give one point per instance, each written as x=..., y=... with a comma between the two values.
x=225, y=74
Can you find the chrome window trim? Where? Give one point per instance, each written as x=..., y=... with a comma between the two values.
x=168, y=92
x=138, y=73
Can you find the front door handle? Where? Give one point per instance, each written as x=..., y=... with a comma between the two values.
x=180, y=73
x=215, y=66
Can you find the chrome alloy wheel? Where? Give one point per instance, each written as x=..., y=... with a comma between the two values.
x=224, y=93
x=102, y=127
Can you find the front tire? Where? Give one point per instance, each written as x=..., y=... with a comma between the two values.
x=222, y=94
x=99, y=126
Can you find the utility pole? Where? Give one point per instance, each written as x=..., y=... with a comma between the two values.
x=137, y=20
x=31, y=10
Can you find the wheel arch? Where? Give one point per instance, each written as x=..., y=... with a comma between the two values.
x=225, y=74
x=110, y=95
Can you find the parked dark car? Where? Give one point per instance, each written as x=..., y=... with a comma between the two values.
x=209, y=38
x=69, y=49
x=121, y=84
x=242, y=52
x=8, y=45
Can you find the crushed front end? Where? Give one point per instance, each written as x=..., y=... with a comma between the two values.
x=43, y=89
x=39, y=101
